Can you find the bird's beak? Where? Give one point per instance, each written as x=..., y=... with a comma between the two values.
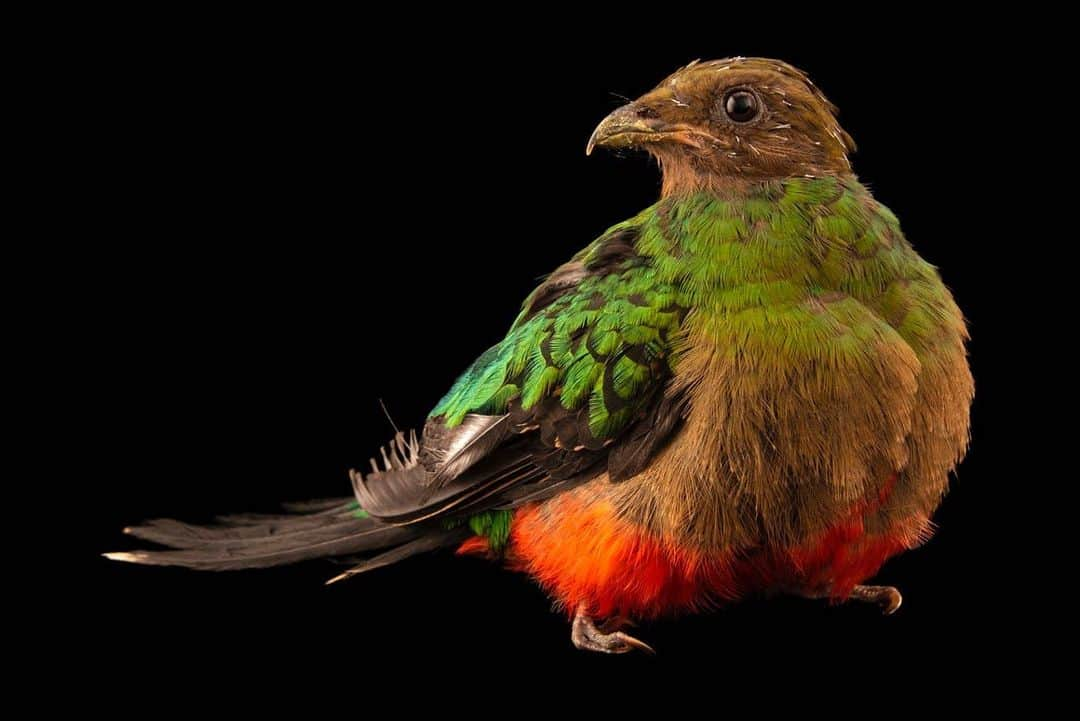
x=626, y=127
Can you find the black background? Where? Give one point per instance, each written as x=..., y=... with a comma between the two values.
x=286, y=223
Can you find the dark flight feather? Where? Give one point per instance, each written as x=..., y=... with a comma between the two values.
x=406, y=495
x=632, y=454
x=462, y=446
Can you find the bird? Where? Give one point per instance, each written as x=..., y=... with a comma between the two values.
x=753, y=387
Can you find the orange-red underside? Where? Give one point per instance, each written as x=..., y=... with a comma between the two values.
x=582, y=553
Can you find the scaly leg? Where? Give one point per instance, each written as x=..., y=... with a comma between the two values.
x=587, y=637
x=885, y=596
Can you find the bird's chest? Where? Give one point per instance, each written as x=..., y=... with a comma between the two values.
x=794, y=414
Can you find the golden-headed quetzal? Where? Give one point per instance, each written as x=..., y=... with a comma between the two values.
x=755, y=385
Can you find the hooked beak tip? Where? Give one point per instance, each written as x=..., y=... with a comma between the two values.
x=623, y=128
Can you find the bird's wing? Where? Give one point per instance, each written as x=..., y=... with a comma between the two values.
x=578, y=386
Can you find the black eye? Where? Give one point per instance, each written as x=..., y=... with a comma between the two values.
x=741, y=106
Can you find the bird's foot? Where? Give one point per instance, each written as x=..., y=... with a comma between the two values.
x=887, y=597
x=607, y=639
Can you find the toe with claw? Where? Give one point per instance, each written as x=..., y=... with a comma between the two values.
x=608, y=639
x=887, y=597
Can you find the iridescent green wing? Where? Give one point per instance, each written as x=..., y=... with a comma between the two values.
x=594, y=340
x=576, y=387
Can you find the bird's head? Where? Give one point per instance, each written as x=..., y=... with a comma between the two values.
x=722, y=121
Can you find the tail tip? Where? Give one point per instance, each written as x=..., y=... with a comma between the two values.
x=339, y=577
x=126, y=556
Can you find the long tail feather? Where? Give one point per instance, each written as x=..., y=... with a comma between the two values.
x=275, y=539
x=170, y=532
x=314, y=506
x=425, y=543
x=312, y=509
x=175, y=534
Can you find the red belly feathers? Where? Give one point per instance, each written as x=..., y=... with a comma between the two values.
x=583, y=554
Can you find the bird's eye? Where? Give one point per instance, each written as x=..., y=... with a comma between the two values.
x=741, y=106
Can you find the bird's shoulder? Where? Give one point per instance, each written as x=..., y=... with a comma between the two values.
x=593, y=337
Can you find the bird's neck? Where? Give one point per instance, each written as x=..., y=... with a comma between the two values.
x=685, y=175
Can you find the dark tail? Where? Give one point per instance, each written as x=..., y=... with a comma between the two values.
x=315, y=529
